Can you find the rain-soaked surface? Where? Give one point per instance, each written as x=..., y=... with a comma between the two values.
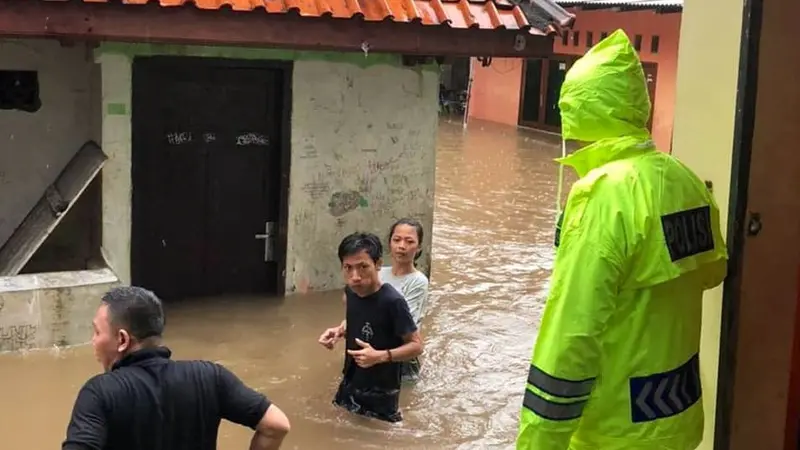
x=492, y=249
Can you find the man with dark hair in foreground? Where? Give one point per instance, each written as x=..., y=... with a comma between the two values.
x=379, y=331
x=146, y=401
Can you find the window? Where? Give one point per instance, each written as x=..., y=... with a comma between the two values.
x=637, y=42
x=565, y=38
x=576, y=38
x=654, y=44
x=19, y=89
x=589, y=39
x=55, y=237
x=603, y=35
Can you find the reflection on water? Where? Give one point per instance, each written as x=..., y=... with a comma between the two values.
x=492, y=240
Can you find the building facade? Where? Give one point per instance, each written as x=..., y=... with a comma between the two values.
x=230, y=160
x=525, y=92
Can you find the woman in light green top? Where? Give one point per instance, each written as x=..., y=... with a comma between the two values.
x=405, y=237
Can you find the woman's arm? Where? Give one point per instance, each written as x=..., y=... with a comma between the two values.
x=417, y=296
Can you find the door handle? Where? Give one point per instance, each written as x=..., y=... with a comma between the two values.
x=754, y=224
x=269, y=242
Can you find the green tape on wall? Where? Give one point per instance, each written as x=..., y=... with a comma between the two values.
x=117, y=109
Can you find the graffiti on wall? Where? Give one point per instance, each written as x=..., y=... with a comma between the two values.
x=347, y=181
x=343, y=202
x=18, y=337
x=316, y=189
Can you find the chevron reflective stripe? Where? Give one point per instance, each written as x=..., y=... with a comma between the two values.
x=559, y=387
x=665, y=394
x=552, y=410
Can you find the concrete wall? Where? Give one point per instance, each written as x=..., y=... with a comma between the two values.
x=116, y=175
x=35, y=147
x=363, y=151
x=45, y=310
x=363, y=155
x=703, y=139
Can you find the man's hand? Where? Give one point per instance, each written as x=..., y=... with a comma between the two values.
x=368, y=356
x=330, y=337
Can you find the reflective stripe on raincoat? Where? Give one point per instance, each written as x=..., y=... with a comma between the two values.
x=615, y=365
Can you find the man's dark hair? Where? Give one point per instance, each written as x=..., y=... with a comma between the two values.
x=137, y=310
x=357, y=242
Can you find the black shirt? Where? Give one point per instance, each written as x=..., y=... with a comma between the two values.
x=149, y=402
x=380, y=319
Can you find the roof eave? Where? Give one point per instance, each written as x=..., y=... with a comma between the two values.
x=188, y=25
x=627, y=8
x=553, y=17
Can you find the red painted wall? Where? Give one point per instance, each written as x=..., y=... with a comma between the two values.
x=495, y=94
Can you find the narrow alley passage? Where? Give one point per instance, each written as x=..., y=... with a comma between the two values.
x=493, y=233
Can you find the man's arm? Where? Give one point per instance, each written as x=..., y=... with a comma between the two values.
x=405, y=326
x=412, y=348
x=566, y=359
x=244, y=406
x=271, y=430
x=332, y=335
x=343, y=326
x=87, y=426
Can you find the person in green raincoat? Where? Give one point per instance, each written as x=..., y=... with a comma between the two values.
x=615, y=365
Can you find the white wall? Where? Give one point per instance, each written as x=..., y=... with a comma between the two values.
x=708, y=75
x=35, y=147
x=116, y=174
x=363, y=154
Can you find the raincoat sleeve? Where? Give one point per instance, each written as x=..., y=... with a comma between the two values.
x=566, y=359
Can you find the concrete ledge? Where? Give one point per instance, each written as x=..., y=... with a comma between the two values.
x=50, y=309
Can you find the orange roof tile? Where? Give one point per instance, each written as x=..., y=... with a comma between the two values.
x=480, y=14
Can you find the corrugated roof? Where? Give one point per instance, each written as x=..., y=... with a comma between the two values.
x=666, y=5
x=537, y=16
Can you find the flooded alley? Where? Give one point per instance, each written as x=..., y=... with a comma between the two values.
x=492, y=245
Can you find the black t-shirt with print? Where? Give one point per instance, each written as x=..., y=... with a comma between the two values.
x=381, y=319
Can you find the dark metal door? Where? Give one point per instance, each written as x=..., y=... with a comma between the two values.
x=206, y=178
x=651, y=76
x=531, y=92
x=557, y=70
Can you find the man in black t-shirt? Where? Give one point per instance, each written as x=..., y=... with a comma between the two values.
x=379, y=331
x=147, y=401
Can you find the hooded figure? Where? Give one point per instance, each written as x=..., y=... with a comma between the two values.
x=615, y=365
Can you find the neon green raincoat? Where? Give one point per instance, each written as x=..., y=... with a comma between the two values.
x=615, y=366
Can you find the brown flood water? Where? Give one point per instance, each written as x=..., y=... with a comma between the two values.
x=492, y=247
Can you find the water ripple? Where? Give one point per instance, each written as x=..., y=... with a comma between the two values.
x=493, y=252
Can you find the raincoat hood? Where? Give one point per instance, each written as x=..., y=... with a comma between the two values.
x=604, y=101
